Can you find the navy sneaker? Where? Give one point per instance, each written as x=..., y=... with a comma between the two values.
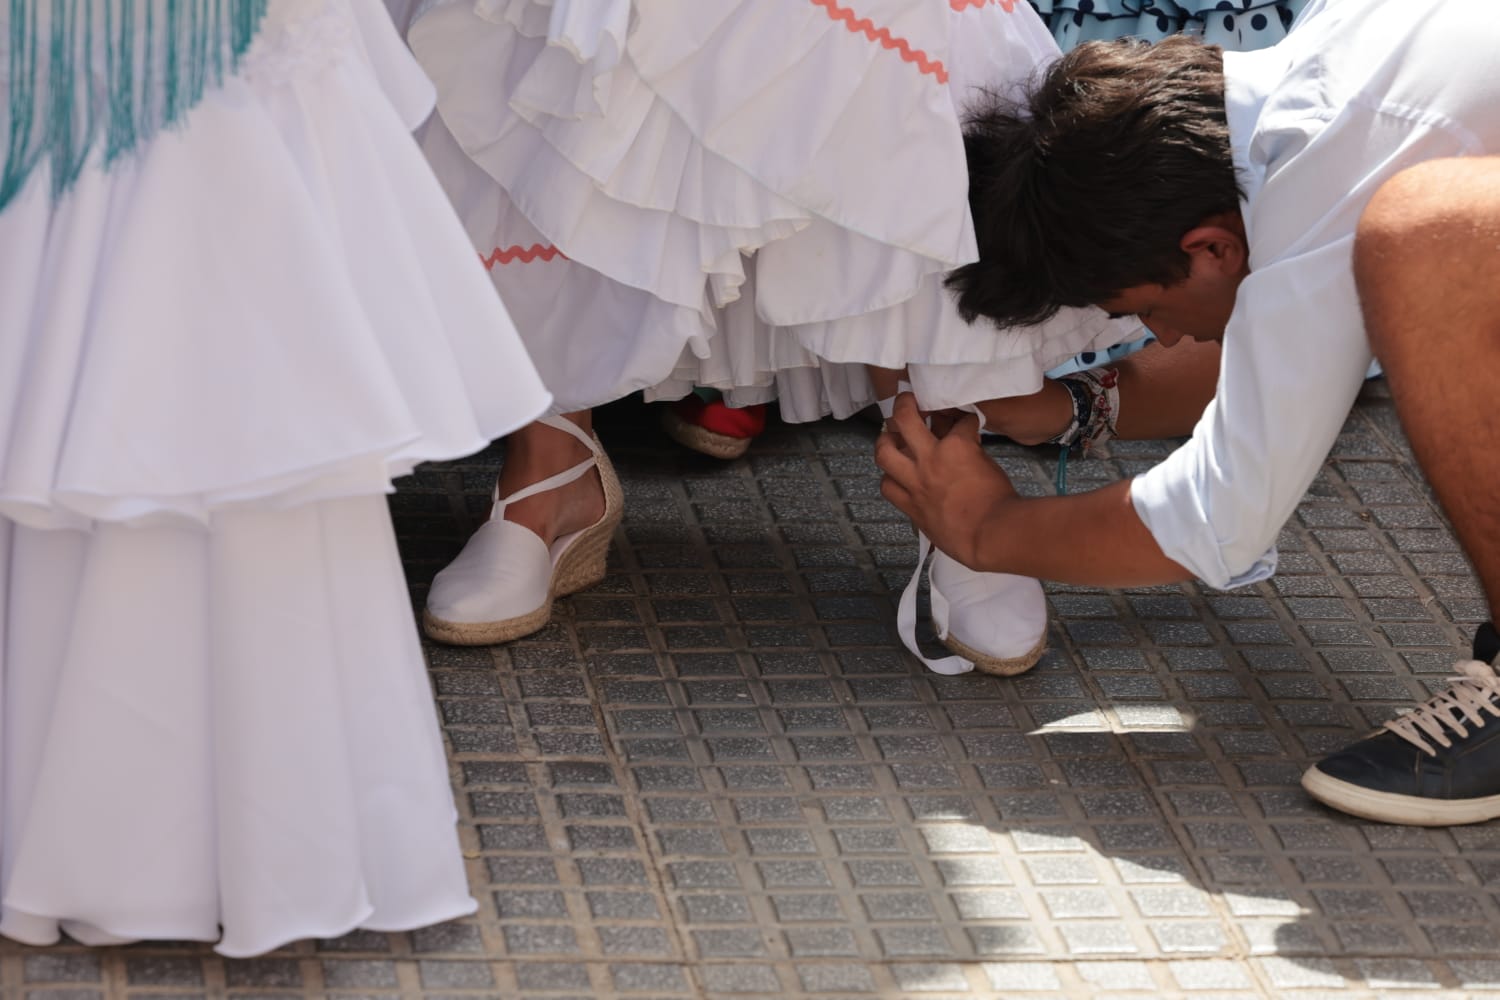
x=1437, y=765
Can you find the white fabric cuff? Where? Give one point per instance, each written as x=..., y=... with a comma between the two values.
x=1189, y=540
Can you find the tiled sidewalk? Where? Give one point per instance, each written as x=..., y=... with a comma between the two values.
x=717, y=775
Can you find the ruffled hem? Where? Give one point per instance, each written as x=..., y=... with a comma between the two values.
x=183, y=348
x=629, y=194
x=592, y=339
x=660, y=192
x=840, y=89
x=814, y=369
x=819, y=369
x=572, y=77
x=574, y=227
x=144, y=667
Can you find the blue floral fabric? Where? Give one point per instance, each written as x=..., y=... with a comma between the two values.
x=1238, y=25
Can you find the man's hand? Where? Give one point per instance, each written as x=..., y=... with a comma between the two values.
x=943, y=481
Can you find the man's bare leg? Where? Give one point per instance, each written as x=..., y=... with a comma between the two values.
x=1427, y=265
x=1426, y=259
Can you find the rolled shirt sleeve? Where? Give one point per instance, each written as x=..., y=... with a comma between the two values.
x=1317, y=124
x=1295, y=349
x=1295, y=354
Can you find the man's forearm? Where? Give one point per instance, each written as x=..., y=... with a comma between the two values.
x=1162, y=394
x=1089, y=539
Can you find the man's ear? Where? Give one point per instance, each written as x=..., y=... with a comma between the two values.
x=1218, y=242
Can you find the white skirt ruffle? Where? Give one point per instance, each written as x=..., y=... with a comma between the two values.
x=221, y=352
x=244, y=711
x=731, y=194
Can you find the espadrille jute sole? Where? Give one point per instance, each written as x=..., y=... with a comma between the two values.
x=485, y=633
x=995, y=665
x=494, y=633
x=701, y=439
x=582, y=564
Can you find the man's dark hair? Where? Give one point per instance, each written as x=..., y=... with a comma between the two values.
x=1085, y=187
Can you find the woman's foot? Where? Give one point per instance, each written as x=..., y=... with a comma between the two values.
x=712, y=427
x=547, y=538
x=996, y=620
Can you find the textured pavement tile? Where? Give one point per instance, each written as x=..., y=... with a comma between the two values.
x=1021, y=977
x=1300, y=974
x=642, y=977
x=835, y=978
x=914, y=978
x=734, y=942
x=622, y=906
x=436, y=974
x=913, y=942
x=355, y=973
x=821, y=942
x=793, y=907
x=1097, y=938
x=44, y=967
x=739, y=979
x=540, y=939
x=1210, y=975
x=189, y=971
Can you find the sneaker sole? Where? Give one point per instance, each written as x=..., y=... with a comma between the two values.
x=701, y=439
x=1388, y=807
x=582, y=565
x=994, y=665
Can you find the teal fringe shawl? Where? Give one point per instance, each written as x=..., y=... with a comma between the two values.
x=86, y=75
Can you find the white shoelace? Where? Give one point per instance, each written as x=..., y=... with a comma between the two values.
x=906, y=609
x=1475, y=691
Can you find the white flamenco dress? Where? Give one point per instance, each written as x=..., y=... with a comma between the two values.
x=215, y=723
x=758, y=196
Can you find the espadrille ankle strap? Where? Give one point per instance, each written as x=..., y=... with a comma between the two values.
x=564, y=424
x=497, y=512
x=906, y=608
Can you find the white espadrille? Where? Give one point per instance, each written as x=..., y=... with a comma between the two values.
x=996, y=620
x=503, y=583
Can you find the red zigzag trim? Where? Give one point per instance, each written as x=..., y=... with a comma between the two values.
x=1009, y=6
x=508, y=255
x=864, y=26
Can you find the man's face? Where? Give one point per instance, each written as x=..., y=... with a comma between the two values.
x=1197, y=307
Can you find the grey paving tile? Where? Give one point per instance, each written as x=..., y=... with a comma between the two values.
x=45, y=967
x=835, y=978
x=734, y=942
x=357, y=973
x=741, y=979
x=822, y=942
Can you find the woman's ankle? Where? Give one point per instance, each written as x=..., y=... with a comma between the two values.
x=532, y=455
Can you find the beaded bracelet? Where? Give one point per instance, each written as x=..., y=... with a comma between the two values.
x=1096, y=408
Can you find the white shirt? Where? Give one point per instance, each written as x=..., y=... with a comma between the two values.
x=1359, y=90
